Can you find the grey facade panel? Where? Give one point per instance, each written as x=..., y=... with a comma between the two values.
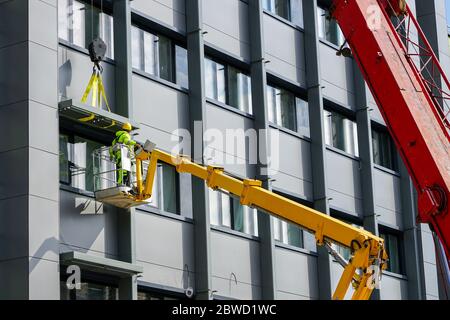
x=430, y=275
x=344, y=184
x=337, y=76
x=14, y=88
x=159, y=107
x=156, y=236
x=235, y=266
x=43, y=280
x=290, y=164
x=87, y=226
x=388, y=198
x=296, y=275
x=223, y=144
x=170, y=12
x=284, y=47
x=231, y=34
x=13, y=212
x=13, y=285
x=393, y=288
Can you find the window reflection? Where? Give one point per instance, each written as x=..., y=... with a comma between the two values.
x=80, y=23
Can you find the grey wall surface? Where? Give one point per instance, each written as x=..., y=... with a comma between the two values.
x=338, y=84
x=296, y=275
x=388, y=198
x=290, y=164
x=284, y=46
x=393, y=288
x=430, y=281
x=87, y=226
x=29, y=265
x=231, y=34
x=236, y=269
x=162, y=112
x=164, y=247
x=234, y=156
x=169, y=12
x=344, y=183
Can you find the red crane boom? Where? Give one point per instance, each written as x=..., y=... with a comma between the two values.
x=412, y=93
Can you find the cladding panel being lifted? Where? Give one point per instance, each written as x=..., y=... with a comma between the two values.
x=93, y=117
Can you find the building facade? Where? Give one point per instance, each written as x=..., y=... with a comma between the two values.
x=191, y=74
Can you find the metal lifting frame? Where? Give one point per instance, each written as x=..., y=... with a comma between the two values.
x=401, y=73
x=368, y=250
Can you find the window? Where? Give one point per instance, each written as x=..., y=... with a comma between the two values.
x=89, y=291
x=394, y=251
x=287, y=110
x=148, y=295
x=215, y=80
x=279, y=7
x=287, y=233
x=165, y=194
x=159, y=56
x=384, y=152
x=228, y=85
x=80, y=23
x=328, y=28
x=227, y=212
x=76, y=161
x=239, y=90
x=181, y=67
x=291, y=10
x=341, y=133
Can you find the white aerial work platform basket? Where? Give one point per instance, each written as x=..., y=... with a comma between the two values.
x=108, y=186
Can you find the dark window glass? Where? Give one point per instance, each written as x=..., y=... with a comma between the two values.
x=170, y=189
x=166, y=189
x=146, y=295
x=89, y=291
x=239, y=90
x=384, y=152
x=328, y=28
x=393, y=248
x=341, y=132
x=287, y=110
x=76, y=161
x=165, y=59
x=288, y=233
x=159, y=56
x=279, y=7
x=291, y=10
x=215, y=80
x=226, y=211
x=181, y=67
x=228, y=85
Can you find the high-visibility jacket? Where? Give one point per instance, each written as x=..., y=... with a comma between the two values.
x=122, y=137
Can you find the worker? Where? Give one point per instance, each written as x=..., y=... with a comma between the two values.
x=123, y=137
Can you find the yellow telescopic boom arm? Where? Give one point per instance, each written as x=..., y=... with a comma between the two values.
x=369, y=256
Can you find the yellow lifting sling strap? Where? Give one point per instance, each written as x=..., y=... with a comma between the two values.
x=98, y=93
